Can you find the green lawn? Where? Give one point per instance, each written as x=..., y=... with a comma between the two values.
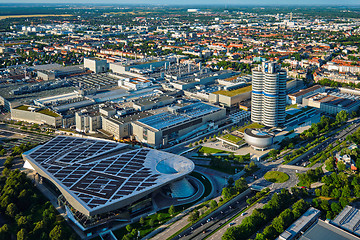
x=231, y=138
x=211, y=150
x=49, y=113
x=292, y=106
x=23, y=107
x=252, y=125
x=234, y=92
x=276, y=177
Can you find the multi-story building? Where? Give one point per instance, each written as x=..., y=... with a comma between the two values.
x=296, y=98
x=87, y=121
x=96, y=65
x=37, y=115
x=268, y=100
x=177, y=123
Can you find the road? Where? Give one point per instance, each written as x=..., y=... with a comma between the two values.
x=237, y=221
x=216, y=218
x=304, y=158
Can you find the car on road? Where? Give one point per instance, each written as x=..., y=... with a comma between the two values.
x=231, y=224
x=243, y=214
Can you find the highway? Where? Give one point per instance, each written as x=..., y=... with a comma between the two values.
x=215, y=219
x=348, y=130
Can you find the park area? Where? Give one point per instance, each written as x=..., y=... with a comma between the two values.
x=276, y=177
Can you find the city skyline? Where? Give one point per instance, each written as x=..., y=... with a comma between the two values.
x=158, y=119
x=206, y=3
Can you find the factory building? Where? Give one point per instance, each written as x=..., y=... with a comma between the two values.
x=177, y=122
x=37, y=115
x=96, y=65
x=296, y=98
x=87, y=122
x=332, y=103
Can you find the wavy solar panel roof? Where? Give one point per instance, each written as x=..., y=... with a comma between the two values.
x=94, y=173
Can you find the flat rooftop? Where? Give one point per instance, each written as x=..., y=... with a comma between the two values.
x=305, y=91
x=130, y=118
x=299, y=224
x=167, y=119
x=152, y=100
x=234, y=92
x=325, y=231
x=348, y=219
x=28, y=98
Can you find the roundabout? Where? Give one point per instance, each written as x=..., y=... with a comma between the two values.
x=276, y=177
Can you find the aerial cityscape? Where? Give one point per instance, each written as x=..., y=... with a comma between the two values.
x=172, y=120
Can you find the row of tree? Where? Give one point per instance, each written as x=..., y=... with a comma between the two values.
x=283, y=221
x=234, y=189
x=20, y=203
x=259, y=217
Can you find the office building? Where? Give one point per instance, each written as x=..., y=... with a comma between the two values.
x=268, y=100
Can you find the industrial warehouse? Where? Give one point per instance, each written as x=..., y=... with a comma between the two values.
x=98, y=177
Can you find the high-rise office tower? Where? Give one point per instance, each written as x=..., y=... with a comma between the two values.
x=268, y=98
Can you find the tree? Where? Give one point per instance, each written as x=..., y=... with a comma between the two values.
x=252, y=165
x=128, y=227
x=278, y=223
x=4, y=232
x=22, y=222
x=159, y=217
x=336, y=193
x=325, y=191
x=230, y=181
x=329, y=215
x=226, y=193
x=142, y=221
x=273, y=154
x=325, y=205
x=151, y=223
x=22, y=234
x=194, y=215
x=330, y=164
x=213, y=204
x=341, y=166
x=56, y=233
x=342, y=116
x=346, y=191
x=336, y=207
x=172, y=210
x=11, y=210
x=357, y=191
x=343, y=201
x=241, y=184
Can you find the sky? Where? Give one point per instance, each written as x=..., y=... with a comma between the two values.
x=196, y=2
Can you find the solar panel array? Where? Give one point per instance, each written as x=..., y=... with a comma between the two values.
x=197, y=110
x=97, y=172
x=167, y=119
x=163, y=120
